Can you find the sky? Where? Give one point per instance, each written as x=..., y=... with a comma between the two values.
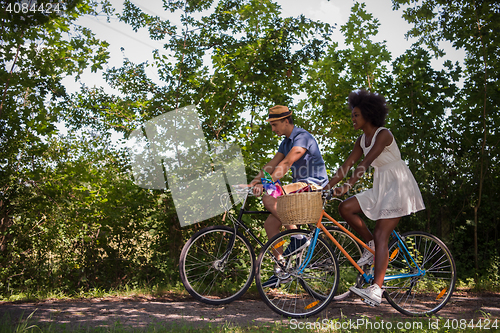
x=138, y=48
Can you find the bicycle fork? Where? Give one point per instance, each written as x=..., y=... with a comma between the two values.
x=283, y=267
x=408, y=258
x=220, y=264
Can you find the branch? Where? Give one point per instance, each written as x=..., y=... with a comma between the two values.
x=10, y=76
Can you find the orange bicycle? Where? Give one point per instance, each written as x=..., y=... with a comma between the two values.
x=419, y=280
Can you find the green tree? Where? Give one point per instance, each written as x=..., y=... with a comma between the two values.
x=361, y=65
x=473, y=26
x=37, y=51
x=233, y=62
x=421, y=99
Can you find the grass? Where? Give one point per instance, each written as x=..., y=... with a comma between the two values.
x=124, y=291
x=434, y=324
x=483, y=284
x=177, y=291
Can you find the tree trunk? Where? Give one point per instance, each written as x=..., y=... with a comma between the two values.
x=483, y=145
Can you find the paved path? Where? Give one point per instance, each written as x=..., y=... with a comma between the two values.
x=142, y=313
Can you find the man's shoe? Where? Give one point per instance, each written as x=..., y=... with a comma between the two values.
x=296, y=244
x=273, y=282
x=371, y=295
x=367, y=256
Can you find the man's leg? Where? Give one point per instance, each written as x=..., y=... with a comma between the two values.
x=273, y=224
x=273, y=227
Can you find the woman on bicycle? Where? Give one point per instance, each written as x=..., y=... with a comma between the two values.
x=394, y=194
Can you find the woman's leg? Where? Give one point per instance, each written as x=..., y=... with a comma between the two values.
x=349, y=210
x=381, y=234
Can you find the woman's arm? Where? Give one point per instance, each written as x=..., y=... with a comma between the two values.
x=383, y=139
x=354, y=156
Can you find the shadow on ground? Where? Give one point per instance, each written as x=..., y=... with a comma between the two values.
x=163, y=312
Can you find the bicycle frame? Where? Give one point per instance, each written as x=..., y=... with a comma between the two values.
x=319, y=226
x=367, y=277
x=301, y=281
x=239, y=223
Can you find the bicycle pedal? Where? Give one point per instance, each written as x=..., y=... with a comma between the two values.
x=369, y=302
x=285, y=280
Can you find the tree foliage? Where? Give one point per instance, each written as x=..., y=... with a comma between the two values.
x=421, y=99
x=473, y=26
x=72, y=216
x=38, y=51
x=361, y=65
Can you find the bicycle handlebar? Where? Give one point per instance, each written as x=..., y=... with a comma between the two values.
x=243, y=190
x=328, y=195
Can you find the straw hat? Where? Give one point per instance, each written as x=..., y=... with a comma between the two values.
x=278, y=112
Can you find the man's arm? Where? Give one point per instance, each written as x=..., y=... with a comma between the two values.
x=282, y=168
x=269, y=167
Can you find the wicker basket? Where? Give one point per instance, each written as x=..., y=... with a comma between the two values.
x=300, y=208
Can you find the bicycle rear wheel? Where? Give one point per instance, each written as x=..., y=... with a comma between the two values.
x=349, y=275
x=425, y=294
x=296, y=293
x=204, y=273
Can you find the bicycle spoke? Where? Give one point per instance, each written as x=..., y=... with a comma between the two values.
x=348, y=273
x=207, y=275
x=425, y=293
x=298, y=294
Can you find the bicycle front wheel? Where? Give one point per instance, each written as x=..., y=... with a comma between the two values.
x=294, y=287
x=207, y=275
x=428, y=292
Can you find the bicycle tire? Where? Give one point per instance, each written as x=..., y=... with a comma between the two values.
x=349, y=275
x=200, y=269
x=426, y=294
x=299, y=295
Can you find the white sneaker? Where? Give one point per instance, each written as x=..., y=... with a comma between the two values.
x=367, y=256
x=371, y=295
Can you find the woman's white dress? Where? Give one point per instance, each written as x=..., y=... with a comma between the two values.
x=395, y=192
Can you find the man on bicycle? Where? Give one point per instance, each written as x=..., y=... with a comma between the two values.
x=299, y=152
